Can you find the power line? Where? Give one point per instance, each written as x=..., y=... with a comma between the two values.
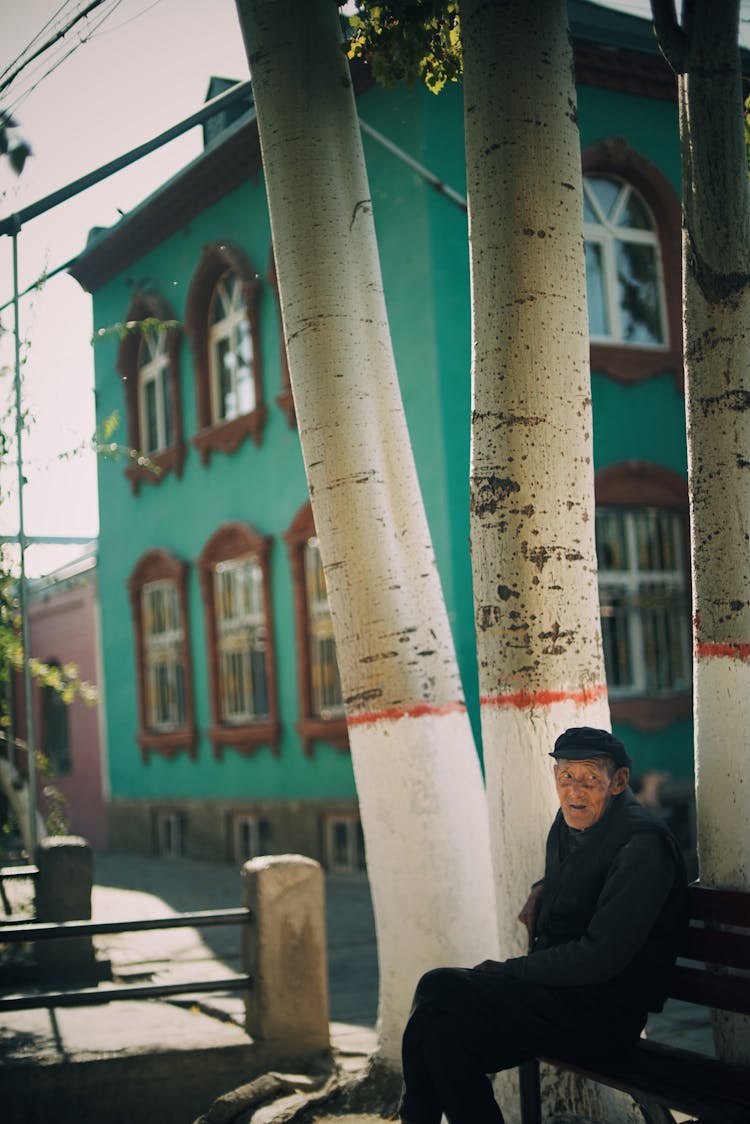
x=29, y=89
x=38, y=35
x=51, y=42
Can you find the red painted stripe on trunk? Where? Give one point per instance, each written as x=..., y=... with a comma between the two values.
x=726, y=651
x=416, y=710
x=523, y=700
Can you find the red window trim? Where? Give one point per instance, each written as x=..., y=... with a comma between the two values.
x=144, y=306
x=160, y=565
x=310, y=728
x=623, y=363
x=236, y=540
x=638, y=483
x=218, y=258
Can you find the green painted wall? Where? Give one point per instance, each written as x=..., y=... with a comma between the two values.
x=424, y=257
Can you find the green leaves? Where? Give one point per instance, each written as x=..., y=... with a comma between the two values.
x=12, y=146
x=409, y=40
x=134, y=327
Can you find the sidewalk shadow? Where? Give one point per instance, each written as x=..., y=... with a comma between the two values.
x=186, y=885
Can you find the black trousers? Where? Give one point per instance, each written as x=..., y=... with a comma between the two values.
x=466, y=1024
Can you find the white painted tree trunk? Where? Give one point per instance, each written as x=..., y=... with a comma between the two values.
x=538, y=632
x=420, y=787
x=716, y=329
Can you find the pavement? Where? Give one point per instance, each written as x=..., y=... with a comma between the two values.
x=200, y=1028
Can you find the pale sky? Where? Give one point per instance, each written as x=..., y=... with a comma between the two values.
x=143, y=68
x=134, y=68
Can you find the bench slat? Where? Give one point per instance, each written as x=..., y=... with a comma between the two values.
x=711, y=1090
x=709, y=989
x=704, y=1087
x=713, y=947
x=732, y=907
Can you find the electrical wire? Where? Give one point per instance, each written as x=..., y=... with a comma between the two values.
x=35, y=78
x=51, y=42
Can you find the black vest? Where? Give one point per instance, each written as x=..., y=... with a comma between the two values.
x=573, y=882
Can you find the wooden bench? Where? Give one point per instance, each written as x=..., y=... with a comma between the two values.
x=713, y=971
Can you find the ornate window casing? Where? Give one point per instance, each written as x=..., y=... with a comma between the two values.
x=322, y=716
x=148, y=362
x=158, y=602
x=633, y=247
x=644, y=593
x=284, y=400
x=222, y=322
x=235, y=586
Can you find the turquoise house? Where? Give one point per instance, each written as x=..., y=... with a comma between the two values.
x=225, y=727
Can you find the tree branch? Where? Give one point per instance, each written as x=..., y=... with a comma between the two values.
x=670, y=36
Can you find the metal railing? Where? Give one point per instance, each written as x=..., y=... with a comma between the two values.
x=82, y=996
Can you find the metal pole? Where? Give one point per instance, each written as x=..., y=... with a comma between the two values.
x=22, y=591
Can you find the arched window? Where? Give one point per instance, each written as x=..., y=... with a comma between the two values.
x=155, y=418
x=230, y=351
x=148, y=361
x=632, y=229
x=320, y=701
x=644, y=594
x=222, y=322
x=158, y=600
x=235, y=578
x=623, y=267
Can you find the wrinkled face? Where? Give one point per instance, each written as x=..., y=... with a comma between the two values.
x=585, y=788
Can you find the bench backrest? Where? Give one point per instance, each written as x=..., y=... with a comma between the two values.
x=717, y=944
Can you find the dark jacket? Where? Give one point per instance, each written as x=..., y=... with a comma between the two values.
x=573, y=884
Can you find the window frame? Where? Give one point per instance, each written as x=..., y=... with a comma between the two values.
x=225, y=435
x=310, y=727
x=607, y=236
x=155, y=566
x=640, y=484
x=258, y=825
x=355, y=846
x=230, y=542
x=632, y=363
x=155, y=371
x=171, y=458
x=170, y=827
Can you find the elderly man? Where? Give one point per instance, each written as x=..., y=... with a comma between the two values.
x=603, y=925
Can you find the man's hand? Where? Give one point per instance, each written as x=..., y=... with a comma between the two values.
x=530, y=911
x=489, y=966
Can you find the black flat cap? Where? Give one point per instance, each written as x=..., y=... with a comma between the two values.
x=581, y=742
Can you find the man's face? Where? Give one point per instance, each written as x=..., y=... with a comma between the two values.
x=585, y=788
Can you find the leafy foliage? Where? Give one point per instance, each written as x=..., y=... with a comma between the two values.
x=11, y=145
x=135, y=327
x=409, y=40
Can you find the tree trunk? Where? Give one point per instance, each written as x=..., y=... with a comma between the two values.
x=716, y=295
x=420, y=787
x=532, y=486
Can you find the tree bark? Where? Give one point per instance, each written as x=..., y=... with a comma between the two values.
x=420, y=788
x=537, y=621
x=716, y=324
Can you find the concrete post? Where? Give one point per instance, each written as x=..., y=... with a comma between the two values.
x=63, y=893
x=284, y=950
